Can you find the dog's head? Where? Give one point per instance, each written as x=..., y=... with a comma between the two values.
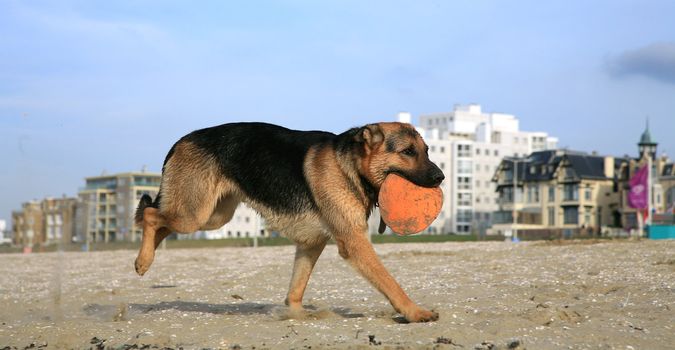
x=396, y=148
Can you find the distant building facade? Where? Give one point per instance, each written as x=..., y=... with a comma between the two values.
x=44, y=222
x=565, y=192
x=569, y=193
x=662, y=180
x=468, y=145
x=246, y=222
x=4, y=234
x=108, y=204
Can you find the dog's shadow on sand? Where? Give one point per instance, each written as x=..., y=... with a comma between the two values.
x=127, y=311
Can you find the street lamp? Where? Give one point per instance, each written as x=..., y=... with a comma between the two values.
x=514, y=237
x=515, y=161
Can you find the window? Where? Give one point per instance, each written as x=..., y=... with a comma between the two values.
x=508, y=175
x=464, y=215
x=477, y=183
x=551, y=193
x=487, y=168
x=477, y=167
x=533, y=194
x=442, y=149
x=464, y=150
x=569, y=173
x=506, y=194
x=551, y=216
x=464, y=199
x=442, y=165
x=571, y=215
x=463, y=183
x=433, y=149
x=477, y=151
x=571, y=192
x=464, y=166
x=587, y=216
x=587, y=193
x=496, y=153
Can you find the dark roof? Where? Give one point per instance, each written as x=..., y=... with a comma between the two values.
x=587, y=166
x=543, y=165
x=646, y=138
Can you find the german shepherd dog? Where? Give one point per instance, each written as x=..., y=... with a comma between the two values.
x=309, y=185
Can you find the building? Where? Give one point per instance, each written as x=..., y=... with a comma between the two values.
x=3, y=233
x=49, y=221
x=557, y=193
x=667, y=181
x=662, y=174
x=468, y=145
x=246, y=222
x=563, y=193
x=108, y=204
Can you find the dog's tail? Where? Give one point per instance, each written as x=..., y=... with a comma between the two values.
x=146, y=201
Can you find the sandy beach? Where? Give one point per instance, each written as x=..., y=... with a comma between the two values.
x=490, y=295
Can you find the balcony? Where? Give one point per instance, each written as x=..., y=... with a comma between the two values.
x=146, y=183
x=526, y=216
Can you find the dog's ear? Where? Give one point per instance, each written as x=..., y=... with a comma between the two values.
x=371, y=135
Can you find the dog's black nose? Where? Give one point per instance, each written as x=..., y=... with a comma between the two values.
x=439, y=177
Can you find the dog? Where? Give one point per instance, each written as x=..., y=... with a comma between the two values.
x=309, y=185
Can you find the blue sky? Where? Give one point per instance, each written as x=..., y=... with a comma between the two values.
x=92, y=86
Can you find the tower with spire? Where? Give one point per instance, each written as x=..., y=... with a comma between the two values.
x=646, y=143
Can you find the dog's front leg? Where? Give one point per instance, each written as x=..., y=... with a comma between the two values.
x=305, y=258
x=360, y=253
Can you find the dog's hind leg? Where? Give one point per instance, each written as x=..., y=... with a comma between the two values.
x=154, y=232
x=305, y=259
x=191, y=188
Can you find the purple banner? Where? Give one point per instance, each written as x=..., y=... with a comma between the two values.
x=637, y=197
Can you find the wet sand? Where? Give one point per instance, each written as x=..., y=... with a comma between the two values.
x=490, y=295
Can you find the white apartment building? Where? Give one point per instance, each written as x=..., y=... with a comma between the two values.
x=468, y=145
x=3, y=228
x=246, y=222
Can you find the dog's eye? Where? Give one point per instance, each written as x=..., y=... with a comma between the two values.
x=410, y=151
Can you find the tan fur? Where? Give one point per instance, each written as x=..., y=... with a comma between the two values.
x=195, y=195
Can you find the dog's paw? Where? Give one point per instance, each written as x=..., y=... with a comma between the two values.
x=422, y=315
x=141, y=266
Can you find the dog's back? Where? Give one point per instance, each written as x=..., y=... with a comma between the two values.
x=265, y=161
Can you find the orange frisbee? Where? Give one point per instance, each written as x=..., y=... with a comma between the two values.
x=407, y=208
